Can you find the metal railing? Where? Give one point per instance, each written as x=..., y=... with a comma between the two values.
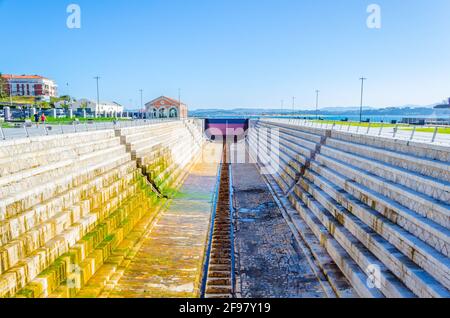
x=430, y=134
x=32, y=130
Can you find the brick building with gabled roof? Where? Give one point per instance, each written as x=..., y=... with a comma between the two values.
x=166, y=107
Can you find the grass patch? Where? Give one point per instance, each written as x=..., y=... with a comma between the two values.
x=51, y=120
x=358, y=124
x=441, y=130
x=6, y=125
x=18, y=100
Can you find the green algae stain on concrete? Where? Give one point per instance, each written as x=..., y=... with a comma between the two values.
x=169, y=262
x=192, y=195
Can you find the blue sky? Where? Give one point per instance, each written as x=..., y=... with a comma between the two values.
x=234, y=53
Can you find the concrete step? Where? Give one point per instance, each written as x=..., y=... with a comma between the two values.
x=140, y=142
x=30, y=160
x=422, y=204
x=22, y=180
x=149, y=131
x=11, y=148
x=355, y=275
x=306, y=141
x=390, y=286
x=28, y=239
x=406, y=147
x=430, y=186
x=28, y=198
x=413, y=227
x=144, y=143
x=12, y=223
x=409, y=273
x=92, y=250
x=426, y=167
x=146, y=128
x=312, y=134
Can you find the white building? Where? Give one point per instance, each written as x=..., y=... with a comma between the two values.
x=31, y=86
x=101, y=108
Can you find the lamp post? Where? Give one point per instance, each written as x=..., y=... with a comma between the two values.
x=293, y=106
x=10, y=90
x=362, y=79
x=97, y=78
x=68, y=95
x=142, y=104
x=317, y=104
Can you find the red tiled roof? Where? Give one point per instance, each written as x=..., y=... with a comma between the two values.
x=172, y=100
x=9, y=76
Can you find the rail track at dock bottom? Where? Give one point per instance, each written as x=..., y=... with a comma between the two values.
x=219, y=268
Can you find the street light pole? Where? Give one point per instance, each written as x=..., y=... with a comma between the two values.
x=10, y=90
x=317, y=104
x=98, y=92
x=362, y=79
x=68, y=94
x=293, y=106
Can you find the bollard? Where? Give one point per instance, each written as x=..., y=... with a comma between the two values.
x=7, y=113
x=26, y=130
x=368, y=128
x=2, y=132
x=357, y=129
x=435, y=134
x=61, y=128
x=46, y=130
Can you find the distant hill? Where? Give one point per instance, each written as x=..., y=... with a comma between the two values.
x=410, y=110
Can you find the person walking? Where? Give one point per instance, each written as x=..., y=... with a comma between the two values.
x=43, y=118
x=36, y=119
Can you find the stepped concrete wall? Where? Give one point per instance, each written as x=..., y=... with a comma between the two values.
x=380, y=207
x=68, y=201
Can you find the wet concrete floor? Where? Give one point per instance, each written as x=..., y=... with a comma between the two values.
x=269, y=262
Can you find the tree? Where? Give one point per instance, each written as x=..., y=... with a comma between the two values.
x=3, y=87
